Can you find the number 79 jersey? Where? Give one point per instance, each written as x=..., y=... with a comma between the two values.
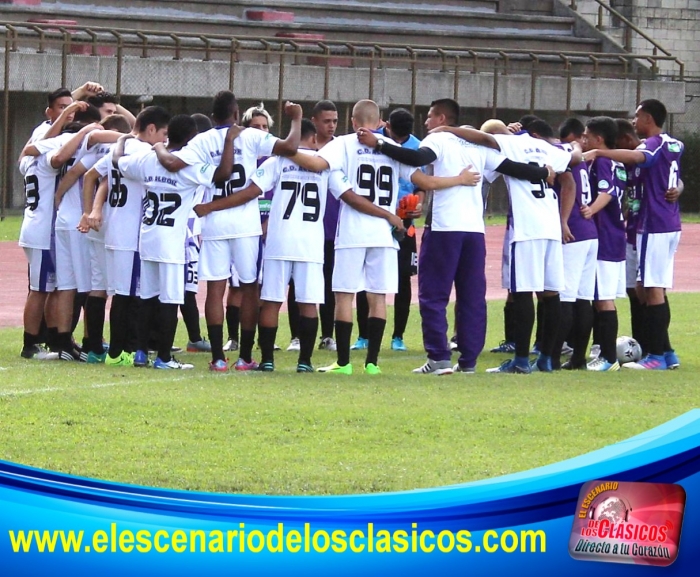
x=533, y=205
x=370, y=174
x=295, y=228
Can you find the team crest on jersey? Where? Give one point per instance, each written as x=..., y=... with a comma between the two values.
x=603, y=184
x=204, y=168
x=674, y=147
x=621, y=173
x=259, y=172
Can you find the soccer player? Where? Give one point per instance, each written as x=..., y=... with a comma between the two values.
x=169, y=200
x=608, y=181
x=108, y=104
x=325, y=118
x=659, y=225
x=232, y=236
x=453, y=248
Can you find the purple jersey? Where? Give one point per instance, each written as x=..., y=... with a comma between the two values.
x=330, y=217
x=634, y=197
x=609, y=177
x=660, y=172
x=580, y=228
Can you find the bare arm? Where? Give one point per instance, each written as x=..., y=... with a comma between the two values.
x=620, y=155
x=103, y=137
x=361, y=204
x=69, y=148
x=118, y=150
x=289, y=145
x=568, y=199
x=223, y=171
x=470, y=135
x=427, y=182
x=600, y=203
x=70, y=178
x=168, y=160
x=239, y=198
x=95, y=218
x=674, y=194
x=56, y=128
x=86, y=90
x=309, y=162
x=89, y=184
x=130, y=118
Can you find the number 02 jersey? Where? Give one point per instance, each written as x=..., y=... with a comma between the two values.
x=168, y=204
x=295, y=228
x=370, y=174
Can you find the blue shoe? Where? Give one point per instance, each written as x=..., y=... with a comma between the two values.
x=219, y=366
x=140, y=359
x=173, y=363
x=397, y=344
x=543, y=364
x=649, y=363
x=266, y=367
x=304, y=368
x=504, y=347
x=511, y=366
x=535, y=349
x=602, y=365
x=360, y=345
x=672, y=360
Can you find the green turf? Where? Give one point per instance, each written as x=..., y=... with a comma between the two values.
x=284, y=433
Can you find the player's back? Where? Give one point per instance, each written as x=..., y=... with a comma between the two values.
x=580, y=228
x=609, y=177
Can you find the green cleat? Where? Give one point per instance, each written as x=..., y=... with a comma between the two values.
x=123, y=360
x=336, y=368
x=372, y=369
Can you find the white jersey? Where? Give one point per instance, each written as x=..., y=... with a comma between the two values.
x=96, y=156
x=37, y=134
x=370, y=174
x=459, y=208
x=206, y=148
x=40, y=184
x=124, y=207
x=534, y=206
x=295, y=227
x=168, y=204
x=71, y=208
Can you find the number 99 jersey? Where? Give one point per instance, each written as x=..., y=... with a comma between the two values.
x=533, y=205
x=295, y=228
x=370, y=174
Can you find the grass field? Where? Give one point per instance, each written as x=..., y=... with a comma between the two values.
x=285, y=433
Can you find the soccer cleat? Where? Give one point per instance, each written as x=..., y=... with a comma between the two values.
x=360, y=344
x=218, y=366
x=266, y=367
x=541, y=365
x=141, y=359
x=570, y=366
x=71, y=355
x=397, y=344
x=432, y=367
x=595, y=352
x=504, y=347
x=304, y=368
x=603, y=365
x=123, y=360
x=294, y=345
x=672, y=360
x=241, y=365
x=328, y=344
x=453, y=344
x=337, y=369
x=38, y=353
x=276, y=347
x=512, y=367
x=173, y=363
x=372, y=369
x=649, y=363
x=231, y=345
x=94, y=358
x=566, y=350
x=202, y=346
x=105, y=345
x=467, y=370
x=175, y=349
x=535, y=349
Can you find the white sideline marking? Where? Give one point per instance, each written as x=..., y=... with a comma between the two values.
x=116, y=383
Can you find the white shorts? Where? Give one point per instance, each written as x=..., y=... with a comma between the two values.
x=123, y=272
x=233, y=280
x=536, y=266
x=505, y=259
x=98, y=266
x=656, y=254
x=72, y=261
x=217, y=256
x=309, y=286
x=580, y=260
x=631, y=266
x=375, y=270
x=42, y=272
x=164, y=280
x=610, y=280
x=192, y=273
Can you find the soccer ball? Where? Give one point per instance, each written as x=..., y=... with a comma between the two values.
x=628, y=350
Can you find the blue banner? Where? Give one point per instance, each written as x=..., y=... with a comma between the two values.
x=55, y=524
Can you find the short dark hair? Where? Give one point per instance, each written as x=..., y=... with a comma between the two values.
x=401, y=121
x=527, y=120
x=202, y=121
x=156, y=115
x=323, y=106
x=656, y=109
x=624, y=127
x=99, y=100
x=448, y=107
x=181, y=129
x=56, y=94
x=72, y=127
x=116, y=122
x=224, y=106
x=90, y=114
x=307, y=128
x=540, y=128
x=571, y=126
x=605, y=127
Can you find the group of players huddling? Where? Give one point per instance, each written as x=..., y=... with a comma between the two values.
x=141, y=209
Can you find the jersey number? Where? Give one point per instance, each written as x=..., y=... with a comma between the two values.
x=540, y=185
x=586, y=196
x=155, y=213
x=309, y=198
x=118, y=193
x=375, y=182
x=31, y=189
x=236, y=182
x=673, y=176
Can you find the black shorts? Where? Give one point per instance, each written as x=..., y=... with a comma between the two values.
x=408, y=254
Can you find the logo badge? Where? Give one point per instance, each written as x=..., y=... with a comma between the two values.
x=635, y=523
